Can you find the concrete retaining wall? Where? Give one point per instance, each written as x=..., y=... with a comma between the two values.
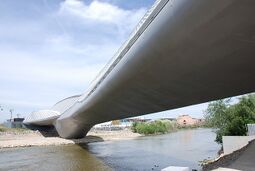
x=233, y=143
x=251, y=129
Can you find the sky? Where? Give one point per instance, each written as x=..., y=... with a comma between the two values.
x=52, y=49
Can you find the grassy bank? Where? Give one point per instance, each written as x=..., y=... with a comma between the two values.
x=5, y=129
x=155, y=127
x=2, y=128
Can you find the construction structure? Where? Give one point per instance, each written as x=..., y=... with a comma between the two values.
x=183, y=52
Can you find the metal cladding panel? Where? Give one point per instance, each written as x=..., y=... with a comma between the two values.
x=47, y=117
x=65, y=104
x=42, y=117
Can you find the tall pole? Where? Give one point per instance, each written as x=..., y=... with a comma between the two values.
x=11, y=110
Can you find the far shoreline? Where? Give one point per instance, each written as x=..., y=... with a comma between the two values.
x=35, y=138
x=29, y=138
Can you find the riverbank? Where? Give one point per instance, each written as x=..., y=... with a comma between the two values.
x=241, y=159
x=35, y=138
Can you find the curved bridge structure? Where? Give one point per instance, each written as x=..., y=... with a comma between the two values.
x=48, y=117
x=183, y=52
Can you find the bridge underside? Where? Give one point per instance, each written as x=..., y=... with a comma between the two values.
x=192, y=52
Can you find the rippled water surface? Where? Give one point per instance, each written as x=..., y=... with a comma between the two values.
x=182, y=148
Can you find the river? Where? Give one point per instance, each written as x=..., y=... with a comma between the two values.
x=182, y=148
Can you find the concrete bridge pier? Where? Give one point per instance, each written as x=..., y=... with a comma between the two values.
x=71, y=127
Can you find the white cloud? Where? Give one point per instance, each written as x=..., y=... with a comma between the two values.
x=100, y=11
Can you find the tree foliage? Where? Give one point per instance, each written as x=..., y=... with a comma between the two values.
x=231, y=119
x=155, y=127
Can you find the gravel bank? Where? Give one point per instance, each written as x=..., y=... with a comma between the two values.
x=35, y=138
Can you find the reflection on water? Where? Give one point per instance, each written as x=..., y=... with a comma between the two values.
x=53, y=158
x=183, y=148
x=186, y=136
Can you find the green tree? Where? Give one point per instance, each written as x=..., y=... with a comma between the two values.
x=217, y=113
x=231, y=119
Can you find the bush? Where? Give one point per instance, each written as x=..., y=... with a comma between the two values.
x=155, y=127
x=6, y=129
x=3, y=128
x=133, y=127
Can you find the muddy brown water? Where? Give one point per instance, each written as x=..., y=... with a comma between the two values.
x=182, y=148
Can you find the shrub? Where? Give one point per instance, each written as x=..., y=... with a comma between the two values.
x=155, y=127
x=3, y=128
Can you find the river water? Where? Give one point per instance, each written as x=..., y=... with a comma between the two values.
x=182, y=148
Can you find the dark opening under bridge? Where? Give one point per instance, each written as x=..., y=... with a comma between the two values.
x=183, y=52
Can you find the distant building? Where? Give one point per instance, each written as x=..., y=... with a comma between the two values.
x=15, y=123
x=188, y=120
x=119, y=124
x=169, y=119
x=135, y=120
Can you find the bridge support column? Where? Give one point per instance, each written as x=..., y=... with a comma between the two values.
x=71, y=128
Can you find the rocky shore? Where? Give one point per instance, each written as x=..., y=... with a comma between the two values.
x=35, y=138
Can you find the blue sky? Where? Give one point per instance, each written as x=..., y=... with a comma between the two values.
x=52, y=49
